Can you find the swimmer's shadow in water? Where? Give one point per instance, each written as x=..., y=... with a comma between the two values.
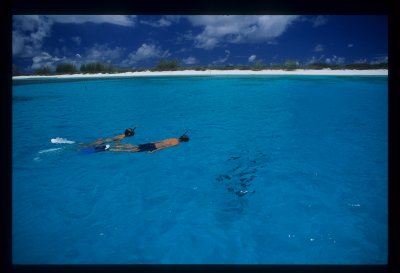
x=238, y=179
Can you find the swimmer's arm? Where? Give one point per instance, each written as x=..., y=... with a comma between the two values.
x=99, y=141
x=116, y=138
x=111, y=139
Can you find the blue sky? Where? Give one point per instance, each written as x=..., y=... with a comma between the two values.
x=197, y=40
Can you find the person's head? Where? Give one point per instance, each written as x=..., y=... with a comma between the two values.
x=129, y=132
x=184, y=138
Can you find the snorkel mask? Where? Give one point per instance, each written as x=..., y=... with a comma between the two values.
x=184, y=137
x=130, y=132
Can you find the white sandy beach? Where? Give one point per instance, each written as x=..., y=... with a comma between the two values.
x=377, y=72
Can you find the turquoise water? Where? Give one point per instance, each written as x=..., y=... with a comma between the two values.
x=278, y=170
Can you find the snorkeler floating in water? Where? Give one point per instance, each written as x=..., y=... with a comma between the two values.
x=128, y=132
x=150, y=147
x=97, y=146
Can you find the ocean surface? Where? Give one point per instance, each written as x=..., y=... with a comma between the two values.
x=278, y=170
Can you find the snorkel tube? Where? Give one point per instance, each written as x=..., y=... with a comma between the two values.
x=185, y=133
x=184, y=137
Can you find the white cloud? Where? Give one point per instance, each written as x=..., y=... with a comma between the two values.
x=340, y=60
x=173, y=18
x=103, y=53
x=77, y=40
x=319, y=21
x=183, y=37
x=26, y=22
x=45, y=59
x=190, y=60
x=97, y=53
x=219, y=29
x=335, y=60
x=30, y=31
x=379, y=59
x=42, y=57
x=18, y=42
x=252, y=58
x=314, y=60
x=159, y=23
x=144, y=52
x=149, y=51
x=57, y=51
x=350, y=45
x=223, y=59
x=318, y=48
x=164, y=21
x=121, y=20
x=361, y=61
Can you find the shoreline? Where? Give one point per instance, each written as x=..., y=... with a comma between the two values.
x=322, y=72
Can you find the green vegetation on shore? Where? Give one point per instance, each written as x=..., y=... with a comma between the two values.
x=66, y=69
x=97, y=68
x=174, y=65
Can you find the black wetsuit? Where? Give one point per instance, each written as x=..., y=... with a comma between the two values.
x=147, y=147
x=100, y=148
x=93, y=149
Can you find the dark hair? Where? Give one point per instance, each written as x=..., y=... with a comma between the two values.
x=129, y=132
x=184, y=138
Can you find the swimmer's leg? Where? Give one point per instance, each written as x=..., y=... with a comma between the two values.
x=94, y=149
x=124, y=148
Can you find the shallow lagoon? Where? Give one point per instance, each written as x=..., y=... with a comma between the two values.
x=279, y=169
